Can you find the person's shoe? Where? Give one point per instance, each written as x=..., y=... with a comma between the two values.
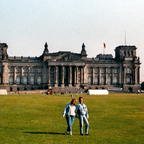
x=70, y=132
x=66, y=132
x=81, y=134
x=87, y=134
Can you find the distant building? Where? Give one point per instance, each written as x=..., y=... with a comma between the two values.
x=67, y=69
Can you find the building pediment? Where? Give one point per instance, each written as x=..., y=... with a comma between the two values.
x=65, y=57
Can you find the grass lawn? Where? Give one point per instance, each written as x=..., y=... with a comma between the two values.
x=37, y=119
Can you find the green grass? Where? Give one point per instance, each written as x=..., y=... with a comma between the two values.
x=37, y=119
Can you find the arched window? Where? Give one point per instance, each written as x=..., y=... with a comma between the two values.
x=32, y=80
x=11, y=80
x=24, y=79
x=39, y=80
x=124, y=53
x=18, y=80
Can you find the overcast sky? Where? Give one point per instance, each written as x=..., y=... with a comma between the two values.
x=25, y=25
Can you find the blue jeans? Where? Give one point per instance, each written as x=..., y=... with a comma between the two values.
x=82, y=118
x=69, y=120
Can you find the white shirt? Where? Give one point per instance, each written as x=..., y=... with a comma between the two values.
x=73, y=109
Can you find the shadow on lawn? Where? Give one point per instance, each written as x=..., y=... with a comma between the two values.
x=45, y=133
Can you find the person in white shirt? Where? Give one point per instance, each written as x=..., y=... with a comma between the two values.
x=70, y=113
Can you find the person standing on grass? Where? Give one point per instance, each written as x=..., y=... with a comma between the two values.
x=70, y=112
x=71, y=96
x=82, y=111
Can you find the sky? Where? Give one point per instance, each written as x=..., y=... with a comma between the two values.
x=25, y=25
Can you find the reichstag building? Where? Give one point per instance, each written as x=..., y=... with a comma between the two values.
x=65, y=69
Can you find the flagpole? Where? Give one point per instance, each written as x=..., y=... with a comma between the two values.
x=125, y=37
x=104, y=46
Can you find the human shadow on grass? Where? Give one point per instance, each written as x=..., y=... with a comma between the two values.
x=56, y=133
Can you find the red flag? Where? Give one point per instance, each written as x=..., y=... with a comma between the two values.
x=104, y=45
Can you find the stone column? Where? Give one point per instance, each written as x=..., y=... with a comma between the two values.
x=99, y=76
x=5, y=74
x=76, y=77
x=21, y=77
x=93, y=75
x=28, y=75
x=49, y=71
x=82, y=75
x=62, y=75
x=138, y=81
x=70, y=76
x=124, y=75
x=35, y=75
x=56, y=76
x=136, y=75
x=120, y=72
x=14, y=76
x=133, y=75
x=106, y=76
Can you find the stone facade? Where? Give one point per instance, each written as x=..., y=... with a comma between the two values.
x=72, y=70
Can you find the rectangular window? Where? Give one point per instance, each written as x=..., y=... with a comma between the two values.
x=90, y=70
x=102, y=70
x=96, y=80
x=109, y=80
x=11, y=70
x=102, y=80
x=32, y=70
x=39, y=70
x=25, y=70
x=89, y=80
x=18, y=70
x=96, y=71
x=128, y=71
x=128, y=79
x=115, y=80
x=109, y=70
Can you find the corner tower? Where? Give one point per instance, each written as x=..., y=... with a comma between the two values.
x=83, y=52
x=124, y=52
x=3, y=51
x=45, y=54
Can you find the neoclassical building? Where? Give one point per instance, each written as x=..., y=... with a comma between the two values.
x=72, y=70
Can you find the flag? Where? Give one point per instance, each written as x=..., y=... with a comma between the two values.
x=104, y=45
